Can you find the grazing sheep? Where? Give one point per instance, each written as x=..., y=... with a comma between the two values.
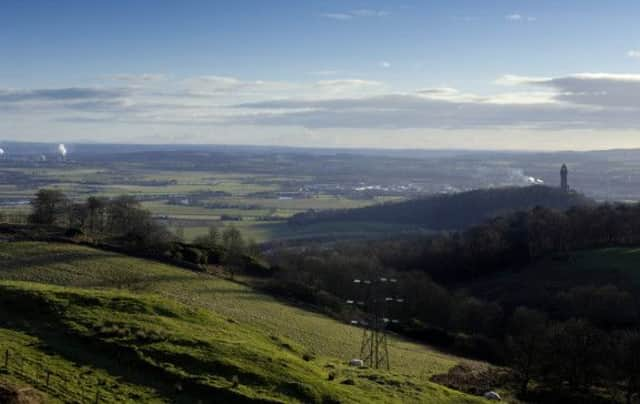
x=492, y=395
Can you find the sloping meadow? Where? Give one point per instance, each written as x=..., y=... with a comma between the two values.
x=150, y=332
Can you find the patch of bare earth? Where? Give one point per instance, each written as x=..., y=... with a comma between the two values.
x=474, y=379
x=11, y=394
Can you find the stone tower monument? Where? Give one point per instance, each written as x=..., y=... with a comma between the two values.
x=564, y=181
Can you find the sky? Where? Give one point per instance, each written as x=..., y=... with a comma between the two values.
x=474, y=74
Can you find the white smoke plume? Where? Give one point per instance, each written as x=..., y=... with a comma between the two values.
x=62, y=150
x=517, y=177
x=492, y=176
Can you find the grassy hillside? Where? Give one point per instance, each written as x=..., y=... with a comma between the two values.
x=194, y=344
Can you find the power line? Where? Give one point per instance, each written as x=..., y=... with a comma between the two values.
x=377, y=305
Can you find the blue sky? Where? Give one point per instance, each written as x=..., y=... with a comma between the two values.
x=430, y=74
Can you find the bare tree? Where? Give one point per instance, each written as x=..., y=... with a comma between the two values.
x=525, y=343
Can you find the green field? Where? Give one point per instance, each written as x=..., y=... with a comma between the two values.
x=263, y=231
x=244, y=198
x=217, y=316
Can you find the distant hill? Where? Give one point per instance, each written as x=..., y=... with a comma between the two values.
x=452, y=211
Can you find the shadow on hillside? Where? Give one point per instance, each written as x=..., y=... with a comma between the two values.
x=134, y=281
x=14, y=264
x=225, y=291
x=121, y=362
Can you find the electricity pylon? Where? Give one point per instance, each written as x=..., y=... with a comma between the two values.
x=376, y=307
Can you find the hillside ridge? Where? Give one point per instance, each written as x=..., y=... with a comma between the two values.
x=452, y=211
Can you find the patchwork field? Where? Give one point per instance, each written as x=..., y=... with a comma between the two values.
x=213, y=309
x=193, y=200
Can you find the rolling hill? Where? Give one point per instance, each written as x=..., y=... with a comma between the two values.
x=149, y=332
x=451, y=211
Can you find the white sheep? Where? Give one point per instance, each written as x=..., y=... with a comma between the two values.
x=492, y=395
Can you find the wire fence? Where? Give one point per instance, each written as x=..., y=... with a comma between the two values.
x=73, y=387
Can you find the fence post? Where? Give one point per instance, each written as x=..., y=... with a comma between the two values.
x=48, y=375
x=6, y=359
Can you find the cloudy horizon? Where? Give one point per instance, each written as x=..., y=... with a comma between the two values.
x=350, y=80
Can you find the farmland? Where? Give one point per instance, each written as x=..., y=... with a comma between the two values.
x=258, y=189
x=259, y=204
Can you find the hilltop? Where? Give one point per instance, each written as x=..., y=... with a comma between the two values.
x=452, y=211
x=140, y=328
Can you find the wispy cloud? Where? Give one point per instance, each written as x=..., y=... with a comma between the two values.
x=578, y=101
x=61, y=94
x=137, y=77
x=634, y=53
x=359, y=13
x=516, y=17
x=324, y=72
x=347, y=87
x=384, y=64
x=337, y=16
x=364, y=12
x=516, y=80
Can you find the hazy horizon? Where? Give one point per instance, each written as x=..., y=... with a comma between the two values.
x=505, y=75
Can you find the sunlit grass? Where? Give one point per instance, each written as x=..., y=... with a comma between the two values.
x=71, y=265
x=219, y=330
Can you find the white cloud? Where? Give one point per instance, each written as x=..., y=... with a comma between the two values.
x=369, y=13
x=516, y=17
x=586, y=101
x=635, y=54
x=324, y=73
x=337, y=16
x=216, y=85
x=359, y=13
x=137, y=77
x=384, y=64
x=347, y=87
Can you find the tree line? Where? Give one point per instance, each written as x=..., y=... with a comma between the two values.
x=583, y=339
x=577, y=338
x=122, y=222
